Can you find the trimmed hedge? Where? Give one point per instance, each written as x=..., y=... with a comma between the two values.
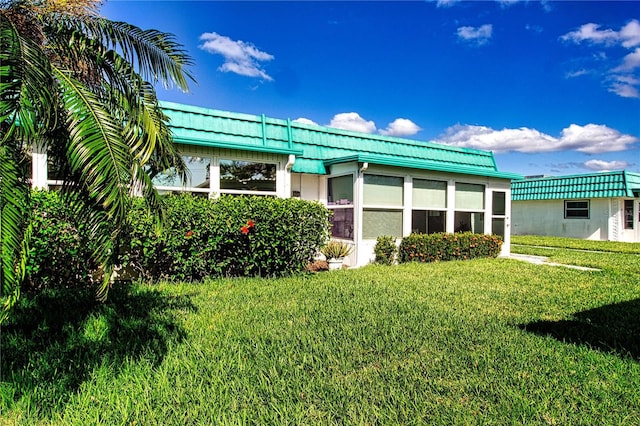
x=444, y=246
x=229, y=236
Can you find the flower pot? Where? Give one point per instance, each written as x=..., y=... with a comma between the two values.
x=334, y=264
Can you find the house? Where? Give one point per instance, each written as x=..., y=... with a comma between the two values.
x=595, y=206
x=375, y=185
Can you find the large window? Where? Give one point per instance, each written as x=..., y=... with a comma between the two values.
x=576, y=209
x=628, y=214
x=197, y=179
x=247, y=176
x=383, y=200
x=429, y=206
x=340, y=201
x=469, y=214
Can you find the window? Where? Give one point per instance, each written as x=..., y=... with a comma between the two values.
x=429, y=206
x=383, y=190
x=340, y=201
x=376, y=222
x=247, y=176
x=576, y=209
x=469, y=196
x=469, y=222
x=428, y=221
x=340, y=190
x=198, y=179
x=383, y=198
x=469, y=215
x=628, y=214
x=498, y=212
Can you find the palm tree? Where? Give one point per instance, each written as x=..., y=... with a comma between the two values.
x=81, y=87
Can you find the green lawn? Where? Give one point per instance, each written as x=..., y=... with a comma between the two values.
x=493, y=341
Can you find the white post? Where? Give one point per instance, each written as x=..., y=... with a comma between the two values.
x=39, y=167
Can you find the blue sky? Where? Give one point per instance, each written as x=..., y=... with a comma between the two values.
x=550, y=87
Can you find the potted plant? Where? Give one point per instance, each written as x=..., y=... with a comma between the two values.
x=335, y=252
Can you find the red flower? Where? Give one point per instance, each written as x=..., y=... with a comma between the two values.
x=244, y=230
x=189, y=234
x=251, y=223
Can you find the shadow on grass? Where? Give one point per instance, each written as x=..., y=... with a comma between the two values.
x=57, y=338
x=611, y=328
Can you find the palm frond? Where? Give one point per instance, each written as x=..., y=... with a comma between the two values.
x=14, y=193
x=96, y=149
x=157, y=55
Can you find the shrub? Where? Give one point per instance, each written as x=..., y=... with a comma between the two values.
x=229, y=236
x=443, y=246
x=385, y=250
x=60, y=250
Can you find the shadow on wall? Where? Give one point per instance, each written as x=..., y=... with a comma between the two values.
x=611, y=328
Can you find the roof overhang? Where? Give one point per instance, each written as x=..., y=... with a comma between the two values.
x=236, y=146
x=421, y=165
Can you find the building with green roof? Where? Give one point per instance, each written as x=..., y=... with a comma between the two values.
x=595, y=206
x=375, y=185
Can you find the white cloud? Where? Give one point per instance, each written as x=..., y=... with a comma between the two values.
x=630, y=62
x=400, y=127
x=352, y=121
x=619, y=80
x=591, y=33
x=240, y=57
x=478, y=35
x=625, y=86
x=446, y=3
x=590, y=139
x=576, y=73
x=305, y=121
x=605, y=166
x=630, y=34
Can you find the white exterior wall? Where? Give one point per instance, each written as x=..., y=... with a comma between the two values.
x=546, y=217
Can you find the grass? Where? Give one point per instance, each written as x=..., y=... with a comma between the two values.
x=574, y=243
x=492, y=341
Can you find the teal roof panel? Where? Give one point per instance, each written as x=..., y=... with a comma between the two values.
x=596, y=185
x=316, y=147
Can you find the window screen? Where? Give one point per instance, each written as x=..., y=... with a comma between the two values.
x=429, y=194
x=469, y=196
x=383, y=190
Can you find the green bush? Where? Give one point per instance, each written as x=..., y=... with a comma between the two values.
x=60, y=251
x=230, y=236
x=443, y=246
x=385, y=250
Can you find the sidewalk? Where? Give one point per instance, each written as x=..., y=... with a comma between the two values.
x=543, y=260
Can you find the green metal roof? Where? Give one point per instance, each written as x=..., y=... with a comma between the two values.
x=317, y=147
x=593, y=185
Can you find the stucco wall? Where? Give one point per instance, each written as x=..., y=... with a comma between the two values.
x=547, y=218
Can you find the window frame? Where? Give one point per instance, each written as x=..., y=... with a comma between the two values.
x=383, y=207
x=219, y=159
x=346, y=207
x=575, y=209
x=627, y=214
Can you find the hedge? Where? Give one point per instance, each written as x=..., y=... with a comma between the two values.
x=230, y=236
x=444, y=246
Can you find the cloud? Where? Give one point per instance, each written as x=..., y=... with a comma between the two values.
x=478, y=35
x=352, y=121
x=576, y=73
x=305, y=121
x=620, y=80
x=605, y=166
x=446, y=3
x=240, y=57
x=591, y=33
x=400, y=127
x=590, y=139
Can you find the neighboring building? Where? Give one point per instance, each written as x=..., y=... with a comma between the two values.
x=596, y=206
x=375, y=185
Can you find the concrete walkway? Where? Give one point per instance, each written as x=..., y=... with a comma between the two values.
x=543, y=260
